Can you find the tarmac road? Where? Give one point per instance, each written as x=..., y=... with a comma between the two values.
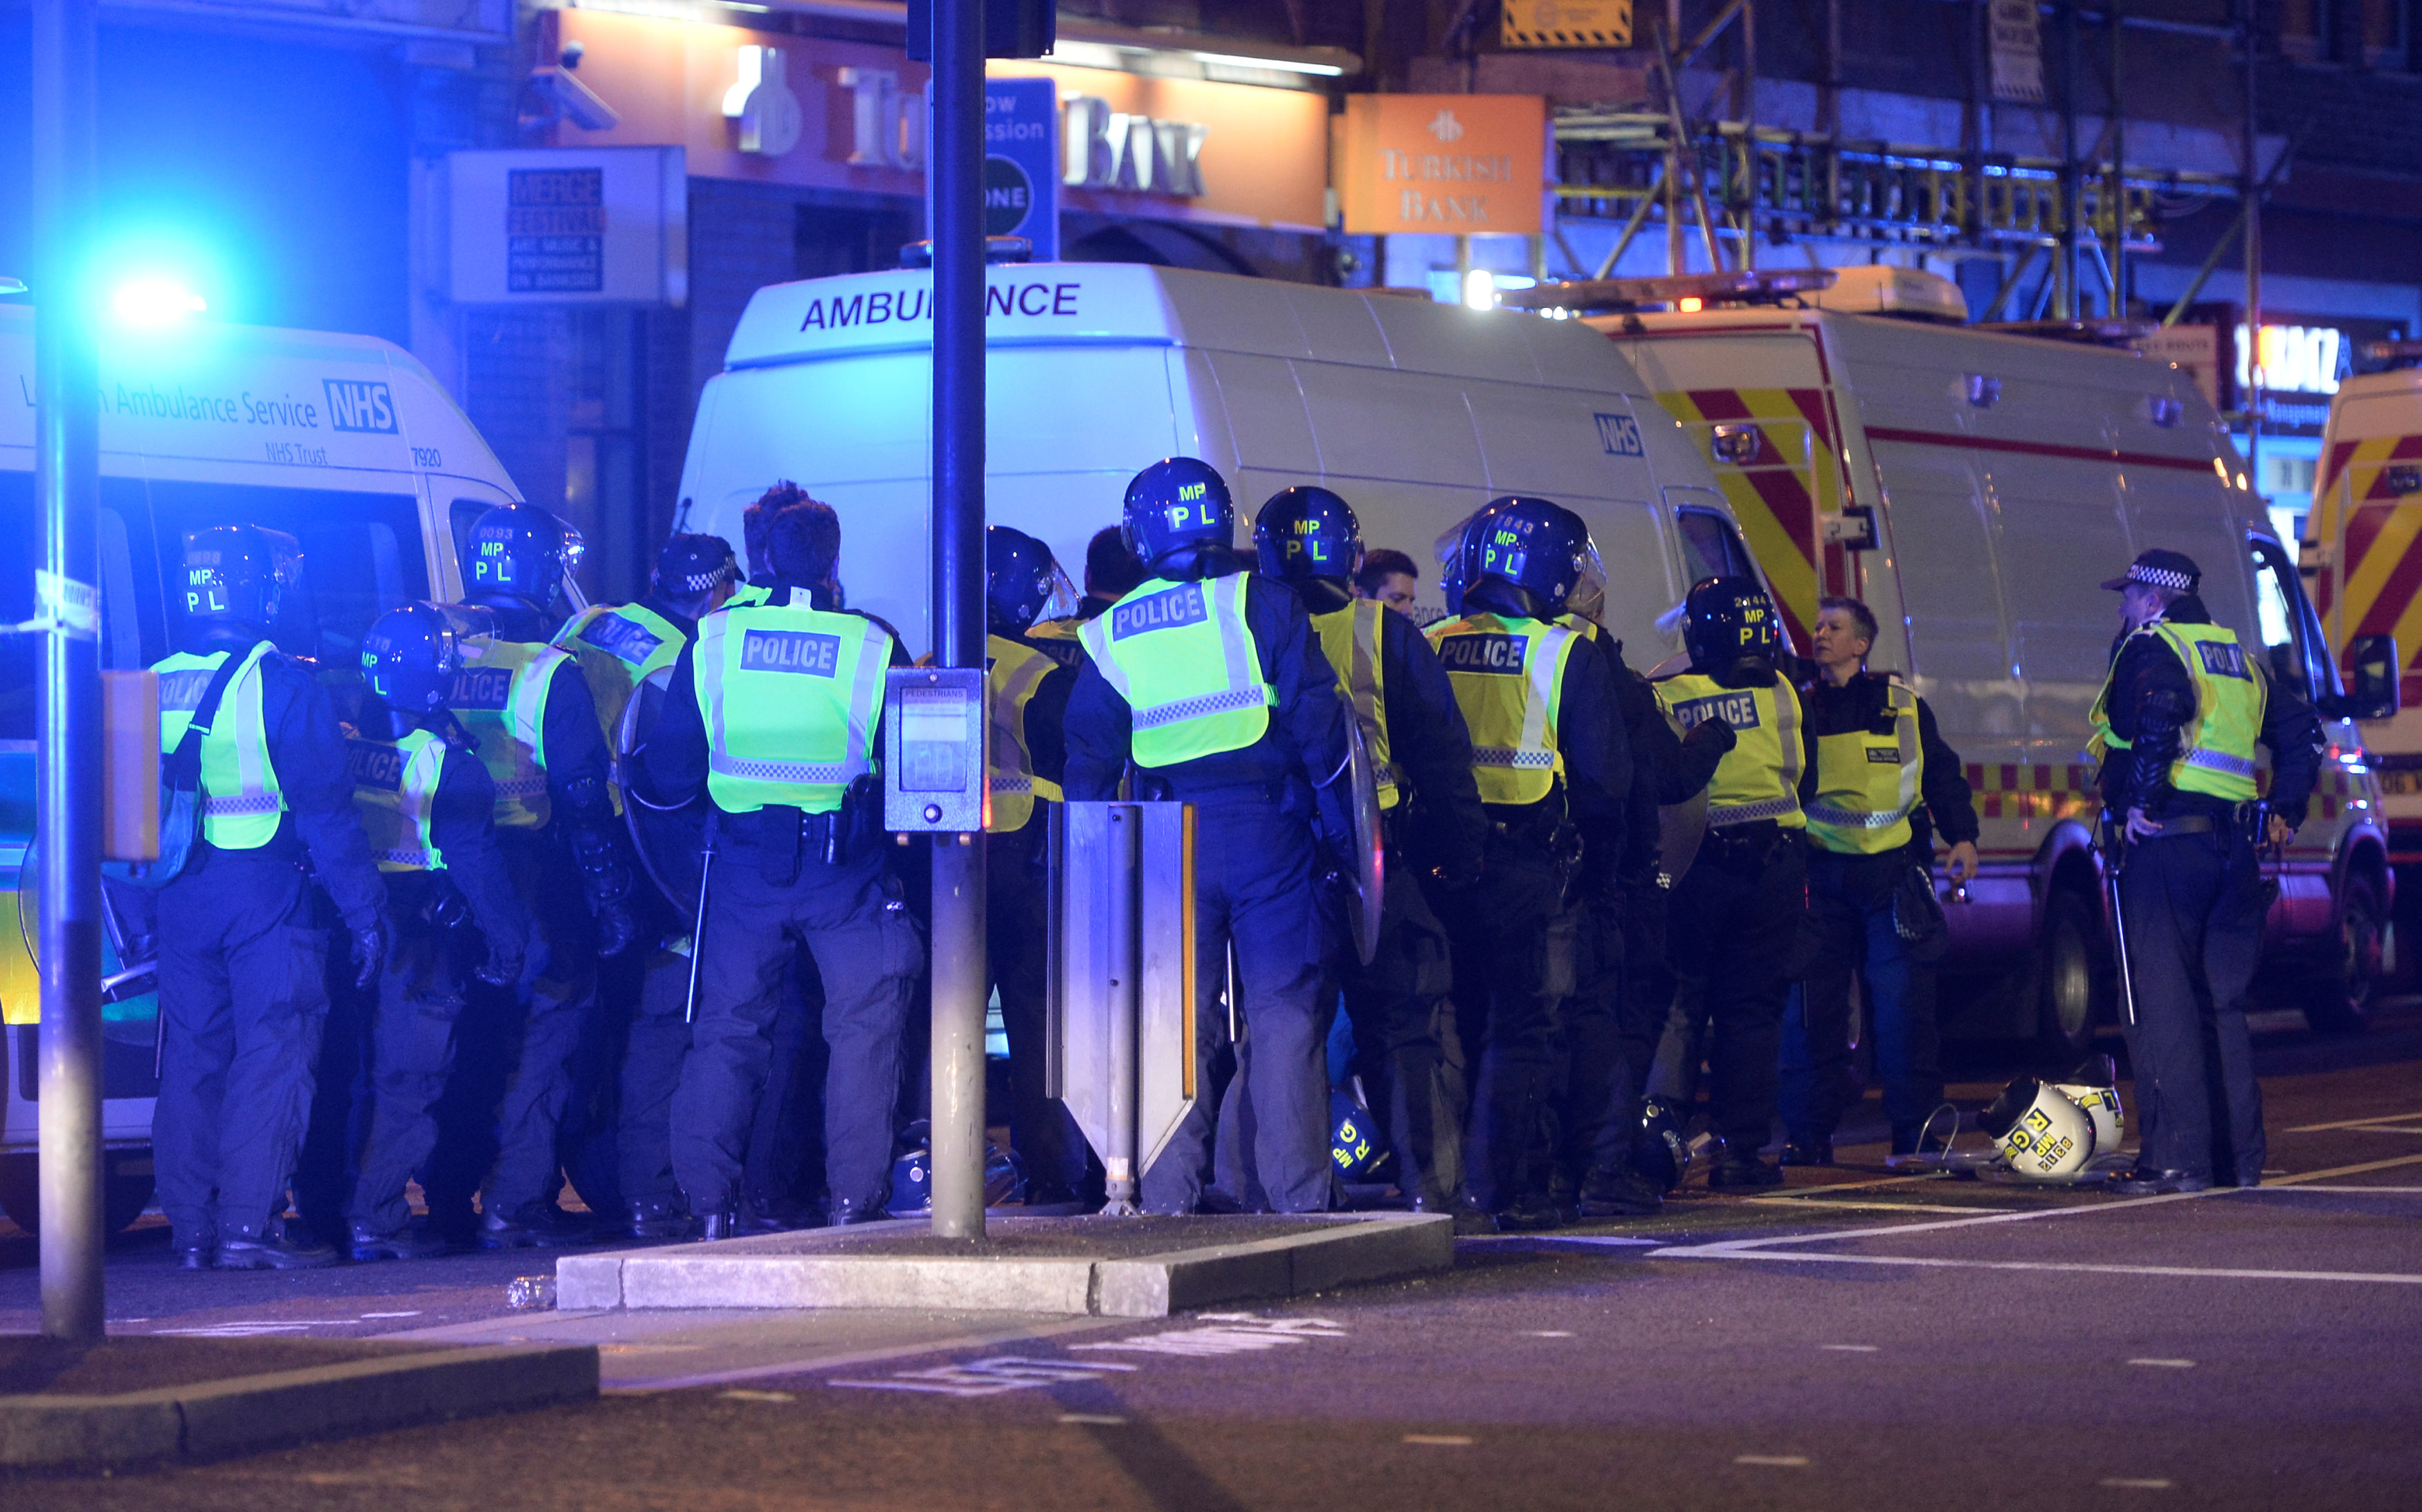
x=1859, y=1340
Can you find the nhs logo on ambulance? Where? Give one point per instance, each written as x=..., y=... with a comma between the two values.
x=357, y=405
x=1620, y=435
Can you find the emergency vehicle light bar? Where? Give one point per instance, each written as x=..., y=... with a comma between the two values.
x=2391, y=355
x=1758, y=287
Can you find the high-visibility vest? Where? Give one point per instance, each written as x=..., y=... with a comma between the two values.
x=2216, y=754
x=500, y=700
x=618, y=648
x=395, y=790
x=1183, y=656
x=240, y=800
x=1017, y=673
x=747, y=596
x=1508, y=677
x=791, y=697
x=1868, y=783
x=1059, y=640
x=1759, y=777
x=1352, y=638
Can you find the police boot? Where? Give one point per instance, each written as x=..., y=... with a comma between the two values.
x=530, y=1225
x=271, y=1248
x=2146, y=1182
x=656, y=1217
x=719, y=1223
x=406, y=1243
x=1809, y=1150
x=193, y=1251
x=1619, y=1191
x=1533, y=1211
x=1469, y=1217
x=1743, y=1166
x=848, y=1210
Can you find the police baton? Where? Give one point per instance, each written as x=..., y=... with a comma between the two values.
x=698, y=923
x=2114, y=839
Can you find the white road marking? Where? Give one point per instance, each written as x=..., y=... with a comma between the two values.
x=1027, y=1334
x=2124, y=1485
x=2303, y=1177
x=1728, y=1247
x=1609, y=1240
x=1786, y=1460
x=2392, y=1192
x=414, y=1312
x=1230, y=1334
x=743, y=1395
x=1449, y=1441
x=1547, y=1334
x=1878, y=1206
x=1853, y=1349
x=2353, y=1123
x=253, y=1329
x=2378, y=1278
x=989, y=1377
x=2166, y=1364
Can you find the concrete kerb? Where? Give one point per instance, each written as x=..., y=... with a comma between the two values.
x=790, y=1273
x=209, y=1419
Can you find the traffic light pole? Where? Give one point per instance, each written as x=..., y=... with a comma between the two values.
x=67, y=485
x=956, y=162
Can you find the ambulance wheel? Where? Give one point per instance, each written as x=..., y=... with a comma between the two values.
x=128, y=1192
x=2068, y=975
x=2338, y=999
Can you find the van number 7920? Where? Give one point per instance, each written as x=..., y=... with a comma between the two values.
x=426, y=457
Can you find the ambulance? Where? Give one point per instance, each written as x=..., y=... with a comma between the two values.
x=2362, y=564
x=1416, y=413
x=1974, y=487
x=345, y=442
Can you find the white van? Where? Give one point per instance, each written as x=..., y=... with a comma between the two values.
x=345, y=442
x=1974, y=487
x=1417, y=413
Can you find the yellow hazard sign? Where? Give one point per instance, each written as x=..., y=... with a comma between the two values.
x=1567, y=24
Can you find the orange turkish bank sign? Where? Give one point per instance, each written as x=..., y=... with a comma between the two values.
x=1465, y=164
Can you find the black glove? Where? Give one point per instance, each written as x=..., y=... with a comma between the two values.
x=618, y=928
x=1712, y=732
x=502, y=969
x=369, y=954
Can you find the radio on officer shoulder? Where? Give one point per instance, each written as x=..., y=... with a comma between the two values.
x=934, y=779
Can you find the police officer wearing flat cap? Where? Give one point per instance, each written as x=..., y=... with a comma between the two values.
x=527, y=709
x=2177, y=721
x=242, y=995
x=1028, y=691
x=428, y=806
x=1400, y=1003
x=1211, y=681
x=1553, y=773
x=619, y=1129
x=776, y=710
x=1737, y=912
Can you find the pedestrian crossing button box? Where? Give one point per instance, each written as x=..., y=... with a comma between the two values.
x=934, y=749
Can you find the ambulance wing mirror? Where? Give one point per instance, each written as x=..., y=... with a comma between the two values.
x=2373, y=667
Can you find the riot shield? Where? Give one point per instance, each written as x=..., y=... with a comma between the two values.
x=1368, y=873
x=671, y=841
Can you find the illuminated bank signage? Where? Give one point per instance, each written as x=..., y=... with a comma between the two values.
x=1466, y=165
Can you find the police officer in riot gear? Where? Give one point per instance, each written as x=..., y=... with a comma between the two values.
x=1029, y=690
x=2177, y=720
x=626, y=653
x=1737, y=912
x=242, y=995
x=1553, y=773
x=1404, y=1047
x=1875, y=765
x=775, y=711
x=1211, y=681
x=428, y=807
x=528, y=710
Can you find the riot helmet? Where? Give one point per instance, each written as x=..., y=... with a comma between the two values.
x=237, y=577
x=1023, y=582
x=1456, y=551
x=410, y=656
x=519, y=551
x=1174, y=505
x=2095, y=1087
x=2043, y=1135
x=1727, y=618
x=1531, y=545
x=1308, y=532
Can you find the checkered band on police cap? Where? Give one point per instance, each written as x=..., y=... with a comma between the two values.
x=695, y=564
x=2172, y=571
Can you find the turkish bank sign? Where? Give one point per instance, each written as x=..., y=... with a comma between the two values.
x=570, y=225
x=1462, y=164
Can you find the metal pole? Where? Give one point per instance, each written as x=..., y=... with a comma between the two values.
x=67, y=485
x=958, y=927
x=1123, y=1185
x=2255, y=187
x=1749, y=136
x=2117, y=184
x=2072, y=303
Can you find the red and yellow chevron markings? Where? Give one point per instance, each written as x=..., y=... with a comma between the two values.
x=1778, y=492
x=2376, y=589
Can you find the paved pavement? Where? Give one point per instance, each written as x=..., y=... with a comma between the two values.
x=1860, y=1339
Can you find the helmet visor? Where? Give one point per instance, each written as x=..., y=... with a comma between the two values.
x=575, y=547
x=472, y=622
x=1059, y=600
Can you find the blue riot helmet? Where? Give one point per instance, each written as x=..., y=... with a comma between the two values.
x=237, y=577
x=1535, y=545
x=1023, y=582
x=1726, y=618
x=1457, y=550
x=410, y=656
x=1306, y=532
x=519, y=551
x=1177, y=504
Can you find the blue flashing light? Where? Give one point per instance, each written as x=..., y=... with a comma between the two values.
x=155, y=302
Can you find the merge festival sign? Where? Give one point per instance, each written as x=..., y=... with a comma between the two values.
x=1453, y=165
x=583, y=225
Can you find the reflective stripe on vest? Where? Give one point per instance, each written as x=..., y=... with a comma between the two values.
x=395, y=789
x=1183, y=656
x=1017, y=673
x=791, y=697
x=500, y=700
x=1759, y=777
x=1351, y=637
x=2217, y=746
x=241, y=801
x=1508, y=679
x=617, y=649
x=1867, y=788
